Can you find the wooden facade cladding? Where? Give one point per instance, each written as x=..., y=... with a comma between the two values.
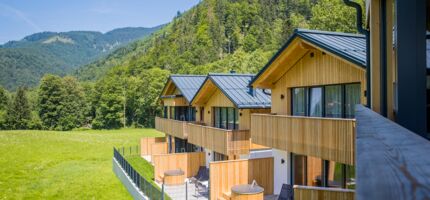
x=317, y=193
x=225, y=174
x=178, y=101
x=172, y=127
x=327, y=138
x=153, y=145
x=187, y=162
x=315, y=68
x=227, y=142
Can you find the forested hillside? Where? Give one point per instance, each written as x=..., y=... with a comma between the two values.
x=24, y=62
x=215, y=36
x=219, y=35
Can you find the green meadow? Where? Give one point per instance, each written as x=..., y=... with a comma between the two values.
x=63, y=165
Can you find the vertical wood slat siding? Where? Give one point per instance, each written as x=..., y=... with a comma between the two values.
x=314, y=193
x=227, y=142
x=315, y=71
x=327, y=138
x=187, y=162
x=179, y=101
x=172, y=127
x=151, y=145
x=226, y=174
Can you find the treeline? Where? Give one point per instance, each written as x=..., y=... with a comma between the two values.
x=214, y=36
x=64, y=103
x=224, y=35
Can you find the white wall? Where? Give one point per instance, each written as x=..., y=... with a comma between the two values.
x=266, y=153
x=209, y=156
x=281, y=171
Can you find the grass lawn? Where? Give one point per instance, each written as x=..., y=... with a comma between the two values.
x=63, y=165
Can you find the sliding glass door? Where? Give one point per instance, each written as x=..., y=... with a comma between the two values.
x=352, y=98
x=299, y=101
x=226, y=118
x=316, y=102
x=313, y=171
x=333, y=101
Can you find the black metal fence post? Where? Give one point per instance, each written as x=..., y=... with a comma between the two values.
x=162, y=191
x=145, y=186
x=186, y=190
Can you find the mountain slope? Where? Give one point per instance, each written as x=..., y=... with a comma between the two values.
x=223, y=35
x=24, y=62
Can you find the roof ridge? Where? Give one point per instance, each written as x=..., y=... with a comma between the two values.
x=229, y=74
x=299, y=30
x=185, y=75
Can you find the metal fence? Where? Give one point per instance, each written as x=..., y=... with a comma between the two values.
x=146, y=186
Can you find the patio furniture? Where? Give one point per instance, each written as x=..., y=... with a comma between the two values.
x=174, y=177
x=202, y=175
x=200, y=190
x=287, y=192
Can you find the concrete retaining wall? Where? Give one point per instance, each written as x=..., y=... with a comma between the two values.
x=127, y=182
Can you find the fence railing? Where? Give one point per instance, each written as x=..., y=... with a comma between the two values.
x=146, y=186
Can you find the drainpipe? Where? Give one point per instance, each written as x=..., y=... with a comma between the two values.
x=367, y=34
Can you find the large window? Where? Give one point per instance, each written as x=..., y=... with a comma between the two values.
x=226, y=118
x=183, y=113
x=299, y=101
x=335, y=101
x=316, y=102
x=165, y=111
x=352, y=97
x=313, y=171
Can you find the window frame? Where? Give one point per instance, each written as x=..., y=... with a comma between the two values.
x=308, y=96
x=219, y=117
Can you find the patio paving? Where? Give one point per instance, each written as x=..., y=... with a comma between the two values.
x=177, y=192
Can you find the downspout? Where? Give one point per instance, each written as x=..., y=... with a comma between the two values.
x=367, y=34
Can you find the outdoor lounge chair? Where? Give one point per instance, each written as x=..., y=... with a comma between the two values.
x=202, y=175
x=287, y=192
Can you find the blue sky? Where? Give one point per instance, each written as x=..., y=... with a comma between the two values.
x=19, y=18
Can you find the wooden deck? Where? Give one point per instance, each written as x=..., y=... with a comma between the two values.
x=327, y=138
x=227, y=142
x=172, y=127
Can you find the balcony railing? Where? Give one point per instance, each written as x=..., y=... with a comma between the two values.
x=172, y=127
x=327, y=138
x=227, y=142
x=392, y=162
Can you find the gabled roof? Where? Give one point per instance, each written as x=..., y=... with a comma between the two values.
x=186, y=84
x=235, y=87
x=351, y=47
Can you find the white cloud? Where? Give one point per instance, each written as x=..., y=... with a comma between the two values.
x=13, y=12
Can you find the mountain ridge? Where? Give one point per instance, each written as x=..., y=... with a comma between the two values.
x=24, y=62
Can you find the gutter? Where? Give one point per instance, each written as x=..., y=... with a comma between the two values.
x=367, y=34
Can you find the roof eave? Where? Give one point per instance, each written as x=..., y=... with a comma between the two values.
x=254, y=106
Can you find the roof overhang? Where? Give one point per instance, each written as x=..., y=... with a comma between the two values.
x=295, y=48
x=169, y=90
x=171, y=96
x=206, y=91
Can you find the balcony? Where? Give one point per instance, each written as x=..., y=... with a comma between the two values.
x=327, y=138
x=227, y=142
x=172, y=127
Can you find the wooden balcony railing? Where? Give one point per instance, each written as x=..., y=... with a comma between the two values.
x=327, y=138
x=172, y=127
x=392, y=162
x=227, y=142
x=316, y=193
